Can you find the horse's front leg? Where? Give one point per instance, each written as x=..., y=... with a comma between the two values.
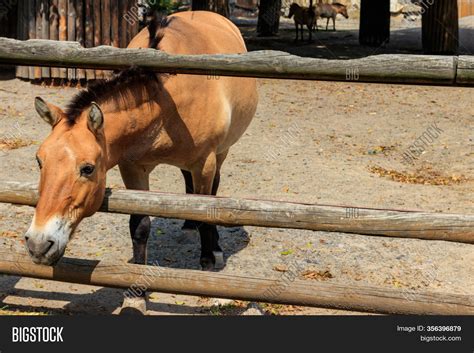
x=206, y=177
x=334, y=23
x=137, y=177
x=189, y=225
x=140, y=226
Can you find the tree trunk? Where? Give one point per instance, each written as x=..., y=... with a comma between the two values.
x=440, y=27
x=221, y=7
x=200, y=5
x=374, y=22
x=268, y=17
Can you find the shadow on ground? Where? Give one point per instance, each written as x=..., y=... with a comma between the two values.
x=344, y=44
x=168, y=246
x=78, y=303
x=171, y=247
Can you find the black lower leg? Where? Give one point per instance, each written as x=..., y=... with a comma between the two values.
x=209, y=245
x=139, y=230
x=215, y=183
x=210, y=236
x=188, y=179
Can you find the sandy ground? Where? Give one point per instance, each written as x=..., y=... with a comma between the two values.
x=319, y=142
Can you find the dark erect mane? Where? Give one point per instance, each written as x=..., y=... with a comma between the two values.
x=131, y=84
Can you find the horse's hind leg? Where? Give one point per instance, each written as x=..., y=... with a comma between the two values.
x=137, y=177
x=206, y=181
x=188, y=179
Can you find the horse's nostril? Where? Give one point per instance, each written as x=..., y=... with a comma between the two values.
x=27, y=237
x=38, y=247
x=51, y=243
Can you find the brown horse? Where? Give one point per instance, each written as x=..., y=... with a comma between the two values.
x=303, y=16
x=138, y=120
x=330, y=11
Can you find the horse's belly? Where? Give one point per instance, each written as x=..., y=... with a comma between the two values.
x=242, y=100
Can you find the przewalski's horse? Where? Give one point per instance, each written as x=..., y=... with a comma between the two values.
x=330, y=11
x=138, y=120
x=303, y=16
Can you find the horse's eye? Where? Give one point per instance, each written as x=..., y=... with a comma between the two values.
x=87, y=170
x=40, y=164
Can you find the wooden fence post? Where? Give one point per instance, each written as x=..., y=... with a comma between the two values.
x=44, y=15
x=80, y=73
x=54, y=31
x=268, y=17
x=440, y=27
x=71, y=32
x=89, y=33
x=31, y=31
x=198, y=5
x=374, y=22
x=22, y=33
x=62, y=8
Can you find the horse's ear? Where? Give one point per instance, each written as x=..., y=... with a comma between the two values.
x=95, y=119
x=48, y=112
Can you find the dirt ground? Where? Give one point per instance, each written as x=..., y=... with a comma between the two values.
x=318, y=142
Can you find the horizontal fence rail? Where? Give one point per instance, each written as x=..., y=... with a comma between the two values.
x=232, y=211
x=286, y=290
x=402, y=69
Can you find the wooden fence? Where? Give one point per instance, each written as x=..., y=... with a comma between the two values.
x=403, y=69
x=287, y=290
x=229, y=211
x=89, y=22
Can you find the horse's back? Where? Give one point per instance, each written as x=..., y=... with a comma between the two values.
x=202, y=32
x=195, y=32
x=212, y=108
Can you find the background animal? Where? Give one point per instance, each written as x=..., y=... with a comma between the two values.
x=303, y=16
x=330, y=11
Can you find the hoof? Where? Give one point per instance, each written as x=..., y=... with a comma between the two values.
x=133, y=306
x=216, y=262
x=206, y=264
x=219, y=302
x=253, y=309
